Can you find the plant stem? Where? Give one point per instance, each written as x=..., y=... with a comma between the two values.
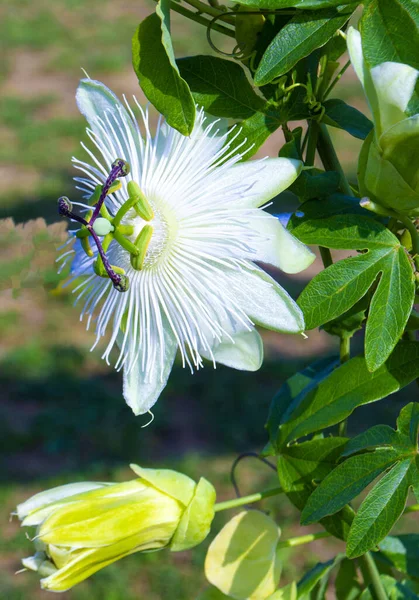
x=330, y=160
x=336, y=79
x=313, y=135
x=303, y=539
x=201, y=20
x=345, y=355
x=411, y=508
x=370, y=569
x=235, y=502
x=210, y=10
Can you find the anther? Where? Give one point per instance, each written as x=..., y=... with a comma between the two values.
x=122, y=285
x=141, y=206
x=65, y=207
x=142, y=242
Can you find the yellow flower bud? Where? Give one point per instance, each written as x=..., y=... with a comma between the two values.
x=85, y=527
x=242, y=561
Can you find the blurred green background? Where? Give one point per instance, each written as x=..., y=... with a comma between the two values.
x=62, y=417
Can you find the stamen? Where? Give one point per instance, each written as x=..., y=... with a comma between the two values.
x=142, y=206
x=142, y=242
x=120, y=281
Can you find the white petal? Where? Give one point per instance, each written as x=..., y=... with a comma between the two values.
x=96, y=101
x=260, y=180
x=353, y=40
x=245, y=354
x=266, y=302
x=394, y=85
x=141, y=394
x=279, y=247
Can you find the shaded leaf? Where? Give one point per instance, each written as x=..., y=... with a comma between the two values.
x=300, y=466
x=221, y=87
x=403, y=552
x=312, y=578
x=347, y=585
x=395, y=590
x=341, y=115
x=155, y=66
x=249, y=135
x=408, y=422
x=345, y=482
x=299, y=384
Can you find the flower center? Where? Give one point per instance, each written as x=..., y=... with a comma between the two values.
x=143, y=234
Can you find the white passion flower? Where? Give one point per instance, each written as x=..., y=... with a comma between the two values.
x=168, y=251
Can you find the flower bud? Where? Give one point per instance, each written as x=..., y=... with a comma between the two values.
x=85, y=527
x=242, y=560
x=388, y=170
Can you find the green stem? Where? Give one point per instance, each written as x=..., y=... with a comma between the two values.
x=303, y=539
x=336, y=79
x=345, y=355
x=411, y=508
x=243, y=500
x=210, y=10
x=370, y=568
x=330, y=160
x=201, y=20
x=313, y=135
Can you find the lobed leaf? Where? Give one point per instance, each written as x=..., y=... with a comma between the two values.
x=336, y=289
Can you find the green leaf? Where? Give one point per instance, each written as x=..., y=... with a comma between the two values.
x=221, y=87
x=403, y=552
x=301, y=465
x=336, y=289
x=341, y=115
x=390, y=32
x=299, y=384
x=380, y=510
x=301, y=36
x=249, y=135
x=304, y=4
x=313, y=183
x=351, y=321
x=347, y=585
x=158, y=75
x=376, y=437
x=408, y=422
x=395, y=590
x=312, y=578
x=345, y=482
x=347, y=387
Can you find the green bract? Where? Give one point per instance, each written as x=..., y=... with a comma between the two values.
x=242, y=560
x=388, y=169
x=85, y=527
